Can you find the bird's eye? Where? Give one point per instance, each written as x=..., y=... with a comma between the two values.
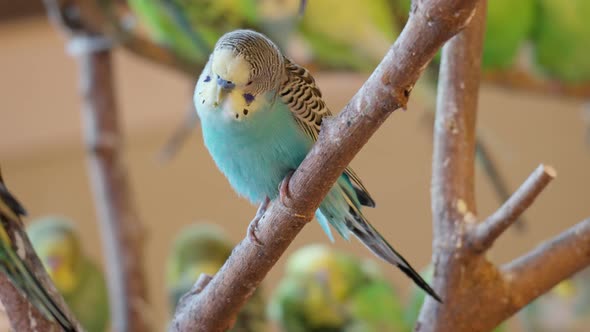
x=249, y=82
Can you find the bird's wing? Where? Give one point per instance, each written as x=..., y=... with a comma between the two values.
x=304, y=99
x=16, y=269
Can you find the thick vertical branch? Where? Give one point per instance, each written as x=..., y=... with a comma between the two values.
x=478, y=296
x=453, y=199
x=122, y=232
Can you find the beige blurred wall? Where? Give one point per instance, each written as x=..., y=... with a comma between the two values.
x=43, y=159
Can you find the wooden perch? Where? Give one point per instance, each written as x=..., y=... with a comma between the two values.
x=432, y=23
x=121, y=230
x=478, y=296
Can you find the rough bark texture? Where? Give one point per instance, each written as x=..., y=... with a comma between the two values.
x=388, y=88
x=22, y=314
x=122, y=232
x=477, y=295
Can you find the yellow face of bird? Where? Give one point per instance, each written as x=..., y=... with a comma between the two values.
x=244, y=66
x=61, y=258
x=226, y=86
x=231, y=70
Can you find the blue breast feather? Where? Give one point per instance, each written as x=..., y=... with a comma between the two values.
x=256, y=153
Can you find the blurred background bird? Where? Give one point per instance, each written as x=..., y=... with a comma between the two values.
x=323, y=289
x=203, y=248
x=191, y=28
x=561, y=38
x=566, y=308
x=80, y=281
x=13, y=266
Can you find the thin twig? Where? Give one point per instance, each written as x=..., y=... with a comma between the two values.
x=340, y=139
x=179, y=135
x=484, y=157
x=488, y=231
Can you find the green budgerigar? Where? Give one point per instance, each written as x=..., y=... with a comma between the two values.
x=191, y=27
x=326, y=290
x=12, y=264
x=561, y=39
x=203, y=248
x=76, y=276
x=508, y=26
x=353, y=36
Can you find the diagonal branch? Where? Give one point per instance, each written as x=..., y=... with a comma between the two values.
x=551, y=262
x=431, y=24
x=21, y=312
x=487, y=232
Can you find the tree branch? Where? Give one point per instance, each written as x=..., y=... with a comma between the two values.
x=484, y=235
x=470, y=285
x=551, y=262
x=122, y=232
x=431, y=24
x=452, y=191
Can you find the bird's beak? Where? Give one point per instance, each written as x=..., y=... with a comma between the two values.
x=53, y=262
x=223, y=88
x=221, y=93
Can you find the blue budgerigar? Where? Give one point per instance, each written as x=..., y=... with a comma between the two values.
x=260, y=115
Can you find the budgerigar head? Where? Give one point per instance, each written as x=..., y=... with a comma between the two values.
x=55, y=241
x=198, y=248
x=243, y=65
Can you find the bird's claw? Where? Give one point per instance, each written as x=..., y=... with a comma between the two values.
x=284, y=195
x=253, y=227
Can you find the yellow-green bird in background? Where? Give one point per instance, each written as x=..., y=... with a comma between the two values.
x=77, y=277
x=327, y=290
x=203, y=248
x=12, y=264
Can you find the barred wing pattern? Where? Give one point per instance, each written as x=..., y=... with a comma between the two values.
x=304, y=99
